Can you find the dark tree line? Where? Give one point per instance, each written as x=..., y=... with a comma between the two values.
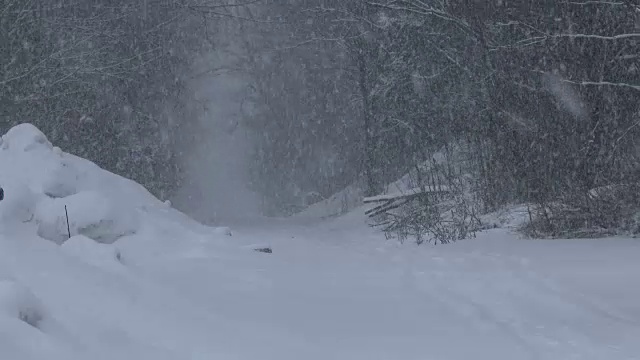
x=536, y=100
x=542, y=96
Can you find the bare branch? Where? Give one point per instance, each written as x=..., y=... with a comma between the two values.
x=594, y=3
x=593, y=83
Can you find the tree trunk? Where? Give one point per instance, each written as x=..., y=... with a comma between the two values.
x=369, y=145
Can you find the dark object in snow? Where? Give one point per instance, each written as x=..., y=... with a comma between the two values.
x=1, y=194
x=67, y=216
x=264, y=250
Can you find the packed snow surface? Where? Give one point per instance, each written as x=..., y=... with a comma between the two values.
x=139, y=280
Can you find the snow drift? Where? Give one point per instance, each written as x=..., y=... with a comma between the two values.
x=40, y=180
x=52, y=287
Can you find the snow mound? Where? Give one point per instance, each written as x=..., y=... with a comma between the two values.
x=27, y=157
x=90, y=214
x=100, y=255
x=19, y=303
x=40, y=180
x=25, y=137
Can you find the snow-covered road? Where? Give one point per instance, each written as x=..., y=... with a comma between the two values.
x=344, y=289
x=333, y=290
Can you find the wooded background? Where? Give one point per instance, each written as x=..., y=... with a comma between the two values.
x=542, y=95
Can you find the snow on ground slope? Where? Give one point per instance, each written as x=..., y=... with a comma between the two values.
x=338, y=204
x=155, y=285
x=351, y=197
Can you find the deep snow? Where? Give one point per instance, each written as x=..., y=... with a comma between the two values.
x=139, y=280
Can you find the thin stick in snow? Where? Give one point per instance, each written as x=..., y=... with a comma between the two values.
x=67, y=215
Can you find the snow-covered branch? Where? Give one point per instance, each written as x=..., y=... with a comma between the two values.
x=593, y=83
x=420, y=8
x=595, y=2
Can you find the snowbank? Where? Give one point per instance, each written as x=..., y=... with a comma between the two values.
x=90, y=214
x=79, y=297
x=40, y=180
x=27, y=157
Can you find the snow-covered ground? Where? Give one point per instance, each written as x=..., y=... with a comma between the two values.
x=138, y=280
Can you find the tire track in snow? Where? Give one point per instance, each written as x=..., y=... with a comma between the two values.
x=523, y=310
x=604, y=325
x=575, y=297
x=440, y=282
